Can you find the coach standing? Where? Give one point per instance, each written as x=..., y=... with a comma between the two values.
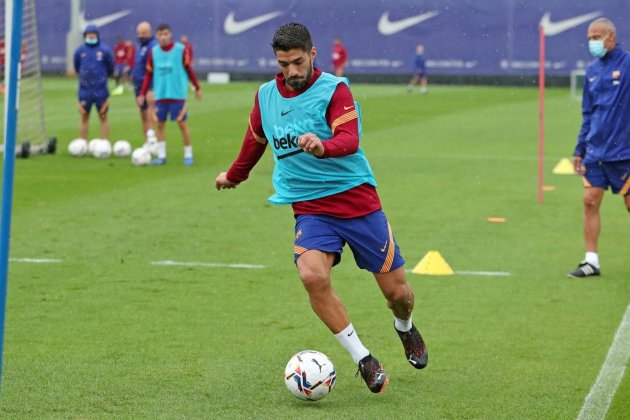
x=146, y=41
x=94, y=63
x=602, y=155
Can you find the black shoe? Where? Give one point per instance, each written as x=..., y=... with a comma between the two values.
x=584, y=270
x=415, y=349
x=373, y=374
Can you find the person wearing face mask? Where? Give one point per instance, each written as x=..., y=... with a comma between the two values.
x=602, y=154
x=146, y=41
x=94, y=63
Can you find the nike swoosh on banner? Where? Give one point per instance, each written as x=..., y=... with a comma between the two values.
x=103, y=20
x=554, y=28
x=232, y=27
x=387, y=27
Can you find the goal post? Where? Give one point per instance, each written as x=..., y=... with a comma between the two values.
x=31, y=123
x=577, y=82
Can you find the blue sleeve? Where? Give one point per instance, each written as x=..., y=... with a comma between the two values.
x=109, y=61
x=587, y=110
x=77, y=60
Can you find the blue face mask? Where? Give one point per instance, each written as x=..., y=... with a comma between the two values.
x=91, y=41
x=596, y=48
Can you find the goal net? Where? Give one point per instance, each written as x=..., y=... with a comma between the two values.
x=31, y=125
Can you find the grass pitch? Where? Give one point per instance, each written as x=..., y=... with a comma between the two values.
x=106, y=333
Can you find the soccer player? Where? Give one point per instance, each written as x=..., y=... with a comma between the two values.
x=339, y=57
x=94, y=63
x=602, y=154
x=419, y=71
x=312, y=123
x=169, y=68
x=146, y=41
x=184, y=40
x=120, y=63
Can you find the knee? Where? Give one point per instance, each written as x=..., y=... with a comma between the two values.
x=591, y=204
x=401, y=294
x=314, y=281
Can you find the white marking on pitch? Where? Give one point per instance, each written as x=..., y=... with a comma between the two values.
x=597, y=402
x=477, y=273
x=204, y=264
x=36, y=260
x=483, y=273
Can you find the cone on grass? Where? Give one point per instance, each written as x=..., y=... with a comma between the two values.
x=433, y=264
x=564, y=167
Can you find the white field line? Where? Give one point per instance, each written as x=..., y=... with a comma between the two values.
x=204, y=264
x=36, y=260
x=597, y=402
x=477, y=273
x=483, y=273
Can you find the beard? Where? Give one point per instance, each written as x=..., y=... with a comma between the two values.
x=299, y=83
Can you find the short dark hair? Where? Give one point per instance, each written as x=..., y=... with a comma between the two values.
x=163, y=27
x=291, y=36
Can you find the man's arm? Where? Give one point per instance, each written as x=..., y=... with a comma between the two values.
x=343, y=119
x=109, y=62
x=252, y=149
x=189, y=70
x=587, y=110
x=148, y=77
x=77, y=61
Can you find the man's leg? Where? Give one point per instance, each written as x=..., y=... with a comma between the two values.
x=400, y=300
x=591, y=225
x=186, y=139
x=102, y=114
x=314, y=268
x=627, y=201
x=83, y=126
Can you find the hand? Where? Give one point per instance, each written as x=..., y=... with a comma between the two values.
x=310, y=143
x=198, y=94
x=578, y=167
x=140, y=100
x=222, y=182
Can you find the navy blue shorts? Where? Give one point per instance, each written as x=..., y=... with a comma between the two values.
x=100, y=102
x=369, y=237
x=176, y=109
x=615, y=175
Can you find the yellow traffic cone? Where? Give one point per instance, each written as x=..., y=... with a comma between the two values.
x=564, y=167
x=433, y=264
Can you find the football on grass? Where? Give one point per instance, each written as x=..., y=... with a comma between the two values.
x=140, y=157
x=309, y=375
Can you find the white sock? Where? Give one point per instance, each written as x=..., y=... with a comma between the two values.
x=161, y=149
x=402, y=325
x=150, y=133
x=592, y=259
x=188, y=152
x=349, y=339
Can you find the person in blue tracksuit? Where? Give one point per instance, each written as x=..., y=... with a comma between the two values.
x=419, y=71
x=602, y=154
x=146, y=41
x=94, y=63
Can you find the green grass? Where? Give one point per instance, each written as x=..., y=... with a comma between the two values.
x=107, y=334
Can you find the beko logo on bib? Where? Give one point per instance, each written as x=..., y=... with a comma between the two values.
x=233, y=27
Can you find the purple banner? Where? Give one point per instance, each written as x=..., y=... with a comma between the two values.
x=473, y=37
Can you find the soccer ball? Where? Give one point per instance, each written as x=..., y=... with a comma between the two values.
x=309, y=375
x=122, y=148
x=102, y=149
x=151, y=145
x=140, y=157
x=92, y=144
x=78, y=147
